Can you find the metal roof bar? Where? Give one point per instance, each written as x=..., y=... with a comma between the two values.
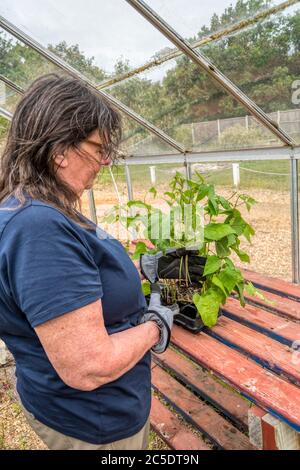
x=11, y=84
x=195, y=44
x=211, y=69
x=295, y=238
x=265, y=153
x=92, y=206
x=17, y=33
x=6, y=114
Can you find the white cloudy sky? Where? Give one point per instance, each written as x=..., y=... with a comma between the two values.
x=108, y=29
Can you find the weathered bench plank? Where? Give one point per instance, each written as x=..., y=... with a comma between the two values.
x=209, y=422
x=172, y=431
x=266, y=351
x=281, y=329
x=269, y=391
x=226, y=400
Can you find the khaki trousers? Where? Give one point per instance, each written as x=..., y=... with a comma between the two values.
x=54, y=440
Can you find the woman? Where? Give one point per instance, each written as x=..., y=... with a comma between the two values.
x=72, y=312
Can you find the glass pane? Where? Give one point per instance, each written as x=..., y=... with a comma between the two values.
x=264, y=61
x=137, y=140
x=98, y=38
x=195, y=19
x=268, y=183
x=29, y=65
x=4, y=126
x=190, y=107
x=8, y=97
x=109, y=190
x=143, y=178
x=20, y=63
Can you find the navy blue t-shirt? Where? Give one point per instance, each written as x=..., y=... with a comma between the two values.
x=49, y=266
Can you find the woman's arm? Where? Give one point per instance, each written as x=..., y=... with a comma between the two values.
x=84, y=355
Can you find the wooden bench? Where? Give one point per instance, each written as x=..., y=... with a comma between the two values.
x=237, y=385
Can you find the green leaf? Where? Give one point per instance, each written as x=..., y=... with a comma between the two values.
x=249, y=201
x=169, y=194
x=240, y=290
x=186, y=197
x=111, y=218
x=217, y=282
x=208, y=305
x=238, y=224
x=242, y=255
x=140, y=204
x=249, y=287
x=231, y=239
x=229, y=263
x=224, y=203
x=199, y=176
x=213, y=264
x=248, y=232
x=211, y=191
x=213, y=208
x=222, y=248
x=229, y=277
x=251, y=290
x=140, y=249
x=202, y=193
x=193, y=185
x=146, y=288
x=215, y=231
x=153, y=191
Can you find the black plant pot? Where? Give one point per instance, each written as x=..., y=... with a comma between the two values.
x=189, y=318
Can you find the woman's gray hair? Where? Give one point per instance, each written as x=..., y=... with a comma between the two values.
x=55, y=113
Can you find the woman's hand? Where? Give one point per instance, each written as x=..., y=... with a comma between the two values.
x=163, y=316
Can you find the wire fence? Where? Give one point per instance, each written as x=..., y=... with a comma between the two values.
x=228, y=133
x=263, y=172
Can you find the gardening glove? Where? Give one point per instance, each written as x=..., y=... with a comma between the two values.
x=163, y=316
x=179, y=263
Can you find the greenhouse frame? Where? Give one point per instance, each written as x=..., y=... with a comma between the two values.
x=150, y=237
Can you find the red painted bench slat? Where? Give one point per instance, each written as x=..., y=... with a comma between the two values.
x=229, y=402
x=261, y=386
x=284, y=288
x=172, y=431
x=281, y=329
x=220, y=431
x=268, y=352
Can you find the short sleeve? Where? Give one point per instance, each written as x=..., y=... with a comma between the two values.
x=50, y=268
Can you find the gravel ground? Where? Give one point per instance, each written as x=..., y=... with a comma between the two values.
x=15, y=432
